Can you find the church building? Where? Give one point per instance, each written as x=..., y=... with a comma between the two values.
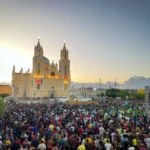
x=47, y=79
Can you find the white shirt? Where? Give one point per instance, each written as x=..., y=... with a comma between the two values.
x=131, y=148
x=72, y=128
x=110, y=121
x=147, y=141
x=120, y=116
x=113, y=136
x=41, y=146
x=58, y=129
x=101, y=130
x=83, y=142
x=107, y=146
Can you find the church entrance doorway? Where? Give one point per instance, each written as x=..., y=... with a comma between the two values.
x=52, y=93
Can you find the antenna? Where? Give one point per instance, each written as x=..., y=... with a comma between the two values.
x=115, y=82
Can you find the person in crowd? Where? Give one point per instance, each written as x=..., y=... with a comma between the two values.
x=51, y=125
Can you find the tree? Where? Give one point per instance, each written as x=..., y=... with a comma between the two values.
x=98, y=95
x=2, y=106
x=111, y=94
x=121, y=94
x=141, y=91
x=102, y=94
x=112, y=91
x=136, y=96
x=132, y=96
x=3, y=95
x=140, y=96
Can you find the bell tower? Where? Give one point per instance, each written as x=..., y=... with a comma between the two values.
x=38, y=64
x=38, y=49
x=64, y=64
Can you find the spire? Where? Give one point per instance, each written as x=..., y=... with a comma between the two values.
x=38, y=44
x=64, y=48
x=13, y=68
x=21, y=71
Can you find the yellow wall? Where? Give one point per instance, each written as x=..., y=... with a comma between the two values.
x=5, y=89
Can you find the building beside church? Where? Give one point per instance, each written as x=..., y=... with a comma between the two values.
x=47, y=79
x=88, y=92
x=5, y=88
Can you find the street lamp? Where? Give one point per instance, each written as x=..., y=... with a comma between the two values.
x=99, y=83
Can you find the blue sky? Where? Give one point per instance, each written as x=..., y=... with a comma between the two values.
x=106, y=39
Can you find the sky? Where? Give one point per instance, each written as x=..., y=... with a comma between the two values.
x=106, y=39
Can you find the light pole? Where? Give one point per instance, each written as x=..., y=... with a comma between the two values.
x=99, y=83
x=115, y=83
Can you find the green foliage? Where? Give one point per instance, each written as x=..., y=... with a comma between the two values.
x=132, y=96
x=98, y=95
x=137, y=96
x=121, y=94
x=113, y=90
x=102, y=94
x=113, y=93
x=2, y=106
x=4, y=95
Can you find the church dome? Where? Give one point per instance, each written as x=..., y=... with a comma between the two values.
x=52, y=64
x=46, y=61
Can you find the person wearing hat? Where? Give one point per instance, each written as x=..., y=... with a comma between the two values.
x=42, y=145
x=108, y=145
x=7, y=143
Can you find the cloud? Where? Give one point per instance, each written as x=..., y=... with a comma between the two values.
x=136, y=82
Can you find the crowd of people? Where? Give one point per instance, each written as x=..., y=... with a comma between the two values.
x=109, y=125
